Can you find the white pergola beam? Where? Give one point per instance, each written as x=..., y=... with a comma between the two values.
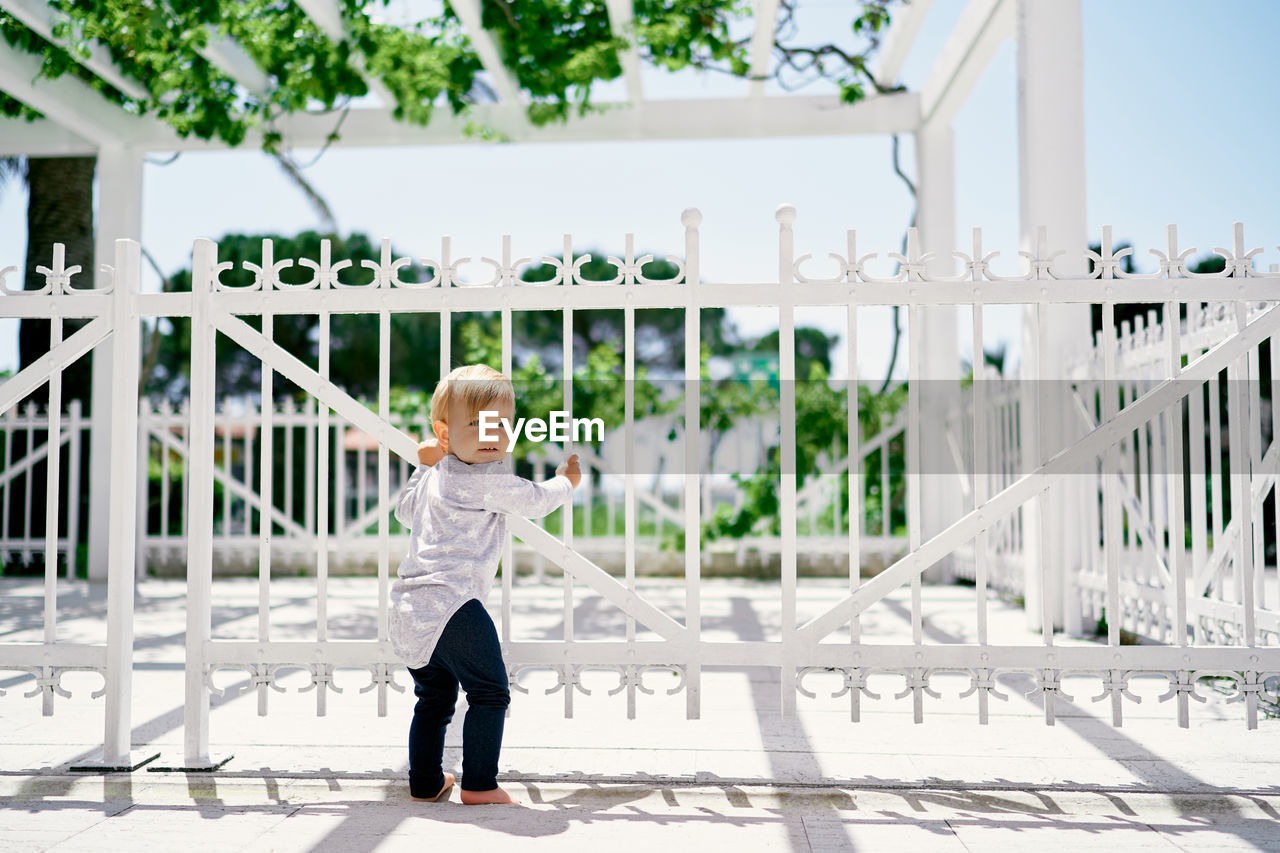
x=621, y=15
x=230, y=58
x=39, y=17
x=721, y=118
x=766, y=17
x=73, y=105
x=898, y=40
x=40, y=138
x=983, y=25
x=326, y=15
x=468, y=12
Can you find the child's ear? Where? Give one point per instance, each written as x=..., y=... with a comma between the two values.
x=441, y=429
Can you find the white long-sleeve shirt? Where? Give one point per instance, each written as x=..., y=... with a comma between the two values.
x=456, y=515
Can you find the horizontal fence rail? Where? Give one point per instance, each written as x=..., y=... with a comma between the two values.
x=1163, y=443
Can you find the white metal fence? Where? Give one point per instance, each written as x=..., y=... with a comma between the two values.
x=831, y=640
x=357, y=497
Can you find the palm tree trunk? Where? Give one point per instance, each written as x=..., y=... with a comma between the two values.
x=59, y=210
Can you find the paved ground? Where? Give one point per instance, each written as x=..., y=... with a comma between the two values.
x=739, y=778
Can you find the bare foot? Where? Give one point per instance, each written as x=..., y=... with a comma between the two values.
x=448, y=783
x=495, y=796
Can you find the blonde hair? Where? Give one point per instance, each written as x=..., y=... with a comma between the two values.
x=476, y=385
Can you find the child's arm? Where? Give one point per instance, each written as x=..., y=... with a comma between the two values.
x=529, y=499
x=409, y=497
x=429, y=453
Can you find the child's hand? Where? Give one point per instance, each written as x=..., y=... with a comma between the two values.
x=430, y=452
x=569, y=468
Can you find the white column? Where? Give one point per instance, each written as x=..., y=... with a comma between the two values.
x=195, y=710
x=1051, y=174
x=119, y=216
x=123, y=501
x=940, y=357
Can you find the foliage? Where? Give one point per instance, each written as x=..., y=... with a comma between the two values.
x=821, y=437
x=556, y=50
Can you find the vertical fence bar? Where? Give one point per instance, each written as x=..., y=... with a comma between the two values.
x=224, y=424
x=915, y=345
x=143, y=492
x=855, y=467
x=165, y=427
x=1199, y=474
x=855, y=473
x=886, y=510
x=339, y=478
x=290, y=424
x=384, y=488
x=1242, y=493
x=384, y=477
x=309, y=414
x=123, y=471
x=1050, y=562
x=786, y=216
x=980, y=482
x=53, y=457
x=186, y=464
x=323, y=436
x=566, y=529
x=508, y=368
x=250, y=424
x=266, y=479
x=1111, y=464
x=1174, y=480
x=28, y=481
x=74, y=427
x=691, y=219
x=362, y=487
x=629, y=518
x=200, y=503
x=446, y=316
x=1112, y=538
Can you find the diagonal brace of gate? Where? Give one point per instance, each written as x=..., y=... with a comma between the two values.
x=38, y=372
x=399, y=442
x=1108, y=433
x=237, y=488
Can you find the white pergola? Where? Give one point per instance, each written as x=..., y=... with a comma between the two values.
x=1050, y=104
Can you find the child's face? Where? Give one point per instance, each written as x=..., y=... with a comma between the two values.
x=462, y=432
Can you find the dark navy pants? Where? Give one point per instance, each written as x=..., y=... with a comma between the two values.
x=468, y=654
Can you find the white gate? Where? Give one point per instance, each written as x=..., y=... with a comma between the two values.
x=113, y=317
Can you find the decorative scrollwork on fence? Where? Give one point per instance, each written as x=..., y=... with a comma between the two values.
x=1181, y=683
x=48, y=682
x=57, y=276
x=1116, y=681
x=1041, y=264
x=267, y=276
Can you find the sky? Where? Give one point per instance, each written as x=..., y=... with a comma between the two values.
x=1180, y=127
